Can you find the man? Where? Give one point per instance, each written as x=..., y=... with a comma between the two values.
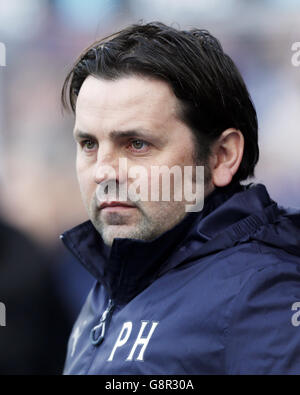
x=213, y=291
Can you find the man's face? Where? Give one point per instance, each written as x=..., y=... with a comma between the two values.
x=133, y=118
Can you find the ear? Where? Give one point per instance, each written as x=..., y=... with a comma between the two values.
x=227, y=153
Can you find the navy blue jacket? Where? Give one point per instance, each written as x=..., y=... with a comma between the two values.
x=217, y=294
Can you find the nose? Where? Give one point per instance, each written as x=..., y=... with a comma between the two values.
x=106, y=167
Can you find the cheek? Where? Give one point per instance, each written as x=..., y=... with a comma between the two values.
x=85, y=180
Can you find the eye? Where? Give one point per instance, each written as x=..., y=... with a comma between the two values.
x=139, y=145
x=88, y=145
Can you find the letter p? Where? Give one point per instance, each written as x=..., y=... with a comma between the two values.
x=127, y=327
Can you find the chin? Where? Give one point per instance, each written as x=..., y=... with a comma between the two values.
x=109, y=234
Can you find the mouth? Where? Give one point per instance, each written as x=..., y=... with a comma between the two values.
x=115, y=206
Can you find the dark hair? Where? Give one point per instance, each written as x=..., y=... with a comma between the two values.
x=211, y=91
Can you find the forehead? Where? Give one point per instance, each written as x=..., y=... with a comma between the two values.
x=125, y=101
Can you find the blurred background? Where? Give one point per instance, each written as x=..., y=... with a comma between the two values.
x=39, y=196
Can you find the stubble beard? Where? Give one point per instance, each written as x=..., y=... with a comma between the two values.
x=149, y=224
x=143, y=227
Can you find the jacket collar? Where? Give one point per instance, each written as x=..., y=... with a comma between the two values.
x=129, y=266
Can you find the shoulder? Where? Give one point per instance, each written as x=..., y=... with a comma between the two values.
x=253, y=257
x=263, y=329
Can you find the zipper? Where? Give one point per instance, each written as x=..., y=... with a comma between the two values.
x=98, y=332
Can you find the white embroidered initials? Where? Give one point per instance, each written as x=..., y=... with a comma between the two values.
x=140, y=340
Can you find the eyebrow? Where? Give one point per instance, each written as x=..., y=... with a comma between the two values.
x=116, y=134
x=79, y=134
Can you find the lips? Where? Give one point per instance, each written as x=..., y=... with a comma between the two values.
x=115, y=204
